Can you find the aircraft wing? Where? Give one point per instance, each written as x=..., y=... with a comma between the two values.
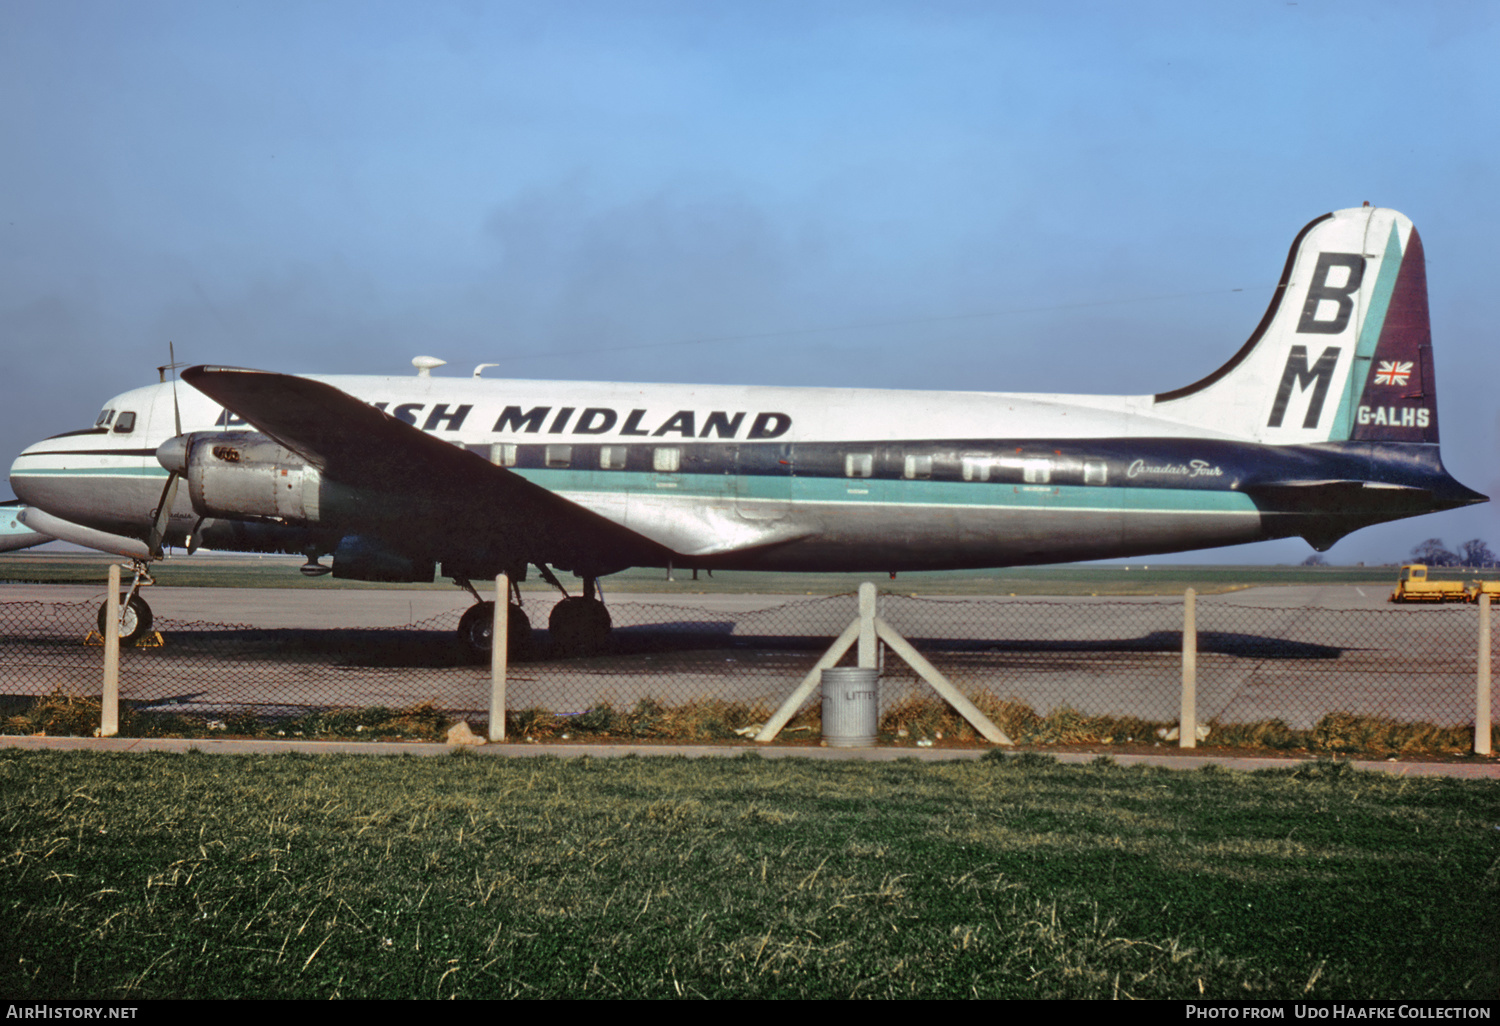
x=400, y=477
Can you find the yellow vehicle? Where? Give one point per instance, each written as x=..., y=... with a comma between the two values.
x=1490, y=588
x=1415, y=587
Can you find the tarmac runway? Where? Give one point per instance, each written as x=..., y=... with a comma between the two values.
x=394, y=607
x=1288, y=653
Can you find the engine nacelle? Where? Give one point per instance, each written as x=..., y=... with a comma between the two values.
x=237, y=474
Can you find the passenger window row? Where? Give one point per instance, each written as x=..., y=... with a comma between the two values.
x=1019, y=469
x=665, y=459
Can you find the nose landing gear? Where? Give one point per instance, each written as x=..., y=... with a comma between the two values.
x=135, y=614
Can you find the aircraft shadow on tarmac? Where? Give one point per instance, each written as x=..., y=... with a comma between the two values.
x=438, y=649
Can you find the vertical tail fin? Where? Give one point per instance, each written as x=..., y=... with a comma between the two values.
x=1344, y=350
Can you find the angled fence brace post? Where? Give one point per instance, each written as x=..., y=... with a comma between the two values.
x=1187, y=721
x=965, y=708
x=866, y=629
x=109, y=694
x=499, y=653
x=1482, y=728
x=814, y=676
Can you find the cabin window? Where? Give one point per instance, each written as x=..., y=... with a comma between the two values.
x=559, y=455
x=125, y=423
x=503, y=454
x=612, y=457
x=666, y=460
x=1095, y=472
x=1036, y=471
x=917, y=467
x=977, y=468
x=859, y=464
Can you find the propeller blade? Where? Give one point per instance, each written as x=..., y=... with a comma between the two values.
x=193, y=539
x=169, y=490
x=176, y=410
x=163, y=516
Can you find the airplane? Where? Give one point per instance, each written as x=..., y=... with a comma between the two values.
x=14, y=534
x=1324, y=421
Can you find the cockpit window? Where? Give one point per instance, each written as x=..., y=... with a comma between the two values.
x=105, y=416
x=125, y=423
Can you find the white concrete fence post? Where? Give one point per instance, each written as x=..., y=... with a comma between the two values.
x=867, y=639
x=1482, y=727
x=499, y=652
x=1187, y=721
x=109, y=696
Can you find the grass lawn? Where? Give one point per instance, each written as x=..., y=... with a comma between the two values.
x=152, y=876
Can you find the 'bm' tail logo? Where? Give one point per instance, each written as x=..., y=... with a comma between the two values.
x=1341, y=295
x=1298, y=373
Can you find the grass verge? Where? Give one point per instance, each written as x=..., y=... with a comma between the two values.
x=709, y=720
x=152, y=875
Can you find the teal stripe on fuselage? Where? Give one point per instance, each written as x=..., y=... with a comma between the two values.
x=156, y=472
x=844, y=491
x=841, y=490
x=1369, y=335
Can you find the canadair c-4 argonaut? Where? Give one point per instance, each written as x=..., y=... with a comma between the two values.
x=1325, y=421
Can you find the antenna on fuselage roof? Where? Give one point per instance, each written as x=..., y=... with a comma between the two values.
x=170, y=365
x=425, y=364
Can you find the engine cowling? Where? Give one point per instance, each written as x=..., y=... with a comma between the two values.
x=242, y=474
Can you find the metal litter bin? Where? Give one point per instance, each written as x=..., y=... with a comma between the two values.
x=851, y=707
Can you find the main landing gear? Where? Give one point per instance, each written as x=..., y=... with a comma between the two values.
x=135, y=615
x=476, y=628
x=579, y=625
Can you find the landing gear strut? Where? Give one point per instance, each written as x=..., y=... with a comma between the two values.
x=135, y=615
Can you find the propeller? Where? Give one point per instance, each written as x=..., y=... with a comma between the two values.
x=169, y=490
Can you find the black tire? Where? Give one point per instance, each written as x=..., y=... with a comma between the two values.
x=476, y=631
x=579, y=627
x=135, y=619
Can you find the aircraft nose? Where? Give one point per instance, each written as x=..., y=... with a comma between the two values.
x=21, y=482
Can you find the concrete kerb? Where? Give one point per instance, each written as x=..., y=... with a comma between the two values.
x=214, y=746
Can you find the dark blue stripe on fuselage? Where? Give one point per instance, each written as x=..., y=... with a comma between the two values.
x=1209, y=464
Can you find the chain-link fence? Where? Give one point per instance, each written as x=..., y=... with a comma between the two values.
x=1115, y=657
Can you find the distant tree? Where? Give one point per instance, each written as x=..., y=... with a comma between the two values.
x=1434, y=553
x=1475, y=552
x=1316, y=559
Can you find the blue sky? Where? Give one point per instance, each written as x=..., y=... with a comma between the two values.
x=934, y=195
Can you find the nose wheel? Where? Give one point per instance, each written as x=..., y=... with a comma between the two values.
x=135, y=618
x=135, y=615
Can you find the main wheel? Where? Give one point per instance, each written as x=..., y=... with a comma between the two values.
x=579, y=627
x=135, y=619
x=476, y=630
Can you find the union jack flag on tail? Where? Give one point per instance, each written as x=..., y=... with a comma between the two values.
x=1393, y=372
